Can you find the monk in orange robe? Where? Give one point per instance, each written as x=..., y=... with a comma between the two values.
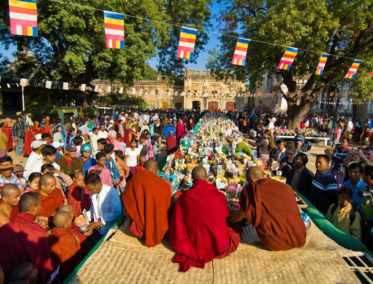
x=78, y=195
x=8, y=133
x=29, y=137
x=25, y=241
x=10, y=196
x=84, y=246
x=270, y=206
x=51, y=197
x=147, y=199
x=64, y=244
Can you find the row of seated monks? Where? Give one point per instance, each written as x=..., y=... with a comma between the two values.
x=198, y=224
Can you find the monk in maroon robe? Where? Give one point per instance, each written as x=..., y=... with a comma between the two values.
x=270, y=206
x=198, y=228
x=29, y=138
x=10, y=196
x=78, y=195
x=25, y=241
x=171, y=143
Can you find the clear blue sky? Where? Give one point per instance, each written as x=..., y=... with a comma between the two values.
x=203, y=55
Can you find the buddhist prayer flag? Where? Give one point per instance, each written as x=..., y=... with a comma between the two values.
x=322, y=62
x=23, y=17
x=186, y=42
x=288, y=58
x=239, y=56
x=371, y=75
x=353, y=69
x=114, y=29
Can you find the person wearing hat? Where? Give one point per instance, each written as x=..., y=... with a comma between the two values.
x=7, y=174
x=35, y=160
x=88, y=161
x=69, y=163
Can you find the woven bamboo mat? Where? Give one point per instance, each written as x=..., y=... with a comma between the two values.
x=124, y=259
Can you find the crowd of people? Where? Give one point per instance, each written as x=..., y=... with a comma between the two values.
x=83, y=176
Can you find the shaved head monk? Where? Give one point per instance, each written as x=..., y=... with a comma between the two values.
x=51, y=197
x=147, y=199
x=198, y=228
x=64, y=244
x=25, y=241
x=10, y=196
x=270, y=206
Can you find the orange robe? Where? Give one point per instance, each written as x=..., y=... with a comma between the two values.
x=79, y=198
x=8, y=132
x=147, y=199
x=65, y=250
x=270, y=206
x=29, y=137
x=51, y=202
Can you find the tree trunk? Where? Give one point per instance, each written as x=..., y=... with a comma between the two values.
x=296, y=114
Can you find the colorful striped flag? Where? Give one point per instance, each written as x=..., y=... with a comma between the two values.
x=23, y=17
x=353, y=69
x=239, y=56
x=371, y=76
x=288, y=58
x=114, y=29
x=186, y=42
x=322, y=62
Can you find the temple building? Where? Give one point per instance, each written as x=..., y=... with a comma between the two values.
x=195, y=90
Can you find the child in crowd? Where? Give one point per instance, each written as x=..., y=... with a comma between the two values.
x=64, y=244
x=132, y=156
x=78, y=195
x=140, y=165
x=343, y=216
x=102, y=170
x=32, y=182
x=123, y=169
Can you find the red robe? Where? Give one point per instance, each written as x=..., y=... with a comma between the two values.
x=65, y=250
x=29, y=137
x=270, y=206
x=8, y=132
x=25, y=241
x=84, y=246
x=36, y=130
x=147, y=199
x=51, y=202
x=198, y=228
x=79, y=198
x=171, y=143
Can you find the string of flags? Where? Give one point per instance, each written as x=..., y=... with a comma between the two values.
x=23, y=21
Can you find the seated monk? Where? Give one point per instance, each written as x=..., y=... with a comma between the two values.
x=270, y=206
x=147, y=199
x=10, y=195
x=84, y=246
x=78, y=195
x=51, y=197
x=25, y=241
x=64, y=244
x=198, y=228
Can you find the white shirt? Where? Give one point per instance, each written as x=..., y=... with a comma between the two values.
x=93, y=141
x=33, y=164
x=132, y=156
x=106, y=207
x=102, y=134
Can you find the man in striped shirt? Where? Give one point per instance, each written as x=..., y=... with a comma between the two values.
x=324, y=188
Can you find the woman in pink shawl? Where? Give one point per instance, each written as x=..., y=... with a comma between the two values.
x=179, y=131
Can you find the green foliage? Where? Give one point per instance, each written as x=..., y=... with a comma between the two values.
x=336, y=27
x=71, y=43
